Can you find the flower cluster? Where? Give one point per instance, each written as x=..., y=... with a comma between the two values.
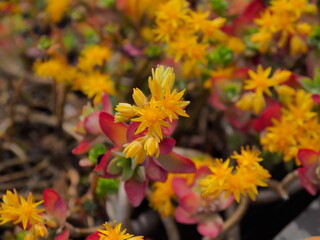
x=87, y=76
x=154, y=116
x=240, y=180
x=298, y=126
x=57, y=9
x=260, y=83
x=284, y=18
x=113, y=231
x=189, y=34
x=17, y=209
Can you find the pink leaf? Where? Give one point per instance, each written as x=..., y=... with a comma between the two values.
x=166, y=145
x=94, y=236
x=91, y=123
x=155, y=172
x=265, y=119
x=136, y=191
x=106, y=103
x=211, y=228
x=116, y=132
x=182, y=216
x=167, y=131
x=304, y=181
x=191, y=202
x=307, y=157
x=63, y=236
x=202, y=172
x=175, y=163
x=55, y=206
x=180, y=186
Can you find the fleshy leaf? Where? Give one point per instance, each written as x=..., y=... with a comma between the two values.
x=94, y=236
x=175, y=163
x=265, y=119
x=182, y=216
x=180, y=186
x=55, y=205
x=212, y=227
x=304, y=181
x=155, y=172
x=63, y=236
x=116, y=132
x=91, y=123
x=101, y=168
x=106, y=103
x=307, y=157
x=84, y=146
x=191, y=202
x=136, y=191
x=166, y=145
x=132, y=128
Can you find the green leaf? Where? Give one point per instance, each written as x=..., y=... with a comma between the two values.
x=222, y=55
x=69, y=40
x=45, y=43
x=107, y=186
x=219, y=6
x=113, y=167
x=96, y=151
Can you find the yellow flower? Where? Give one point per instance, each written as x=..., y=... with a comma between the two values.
x=162, y=196
x=57, y=8
x=92, y=56
x=240, y=180
x=152, y=118
x=95, y=84
x=247, y=156
x=55, y=68
x=260, y=82
x=297, y=45
x=113, y=232
x=17, y=209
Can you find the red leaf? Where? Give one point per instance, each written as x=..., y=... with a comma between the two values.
x=63, y=236
x=307, y=157
x=211, y=228
x=155, y=172
x=175, y=163
x=316, y=98
x=84, y=146
x=101, y=168
x=94, y=236
x=116, y=132
x=265, y=119
x=55, y=205
x=136, y=191
x=166, y=145
x=132, y=128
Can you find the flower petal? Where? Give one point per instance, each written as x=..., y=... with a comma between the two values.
x=116, y=132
